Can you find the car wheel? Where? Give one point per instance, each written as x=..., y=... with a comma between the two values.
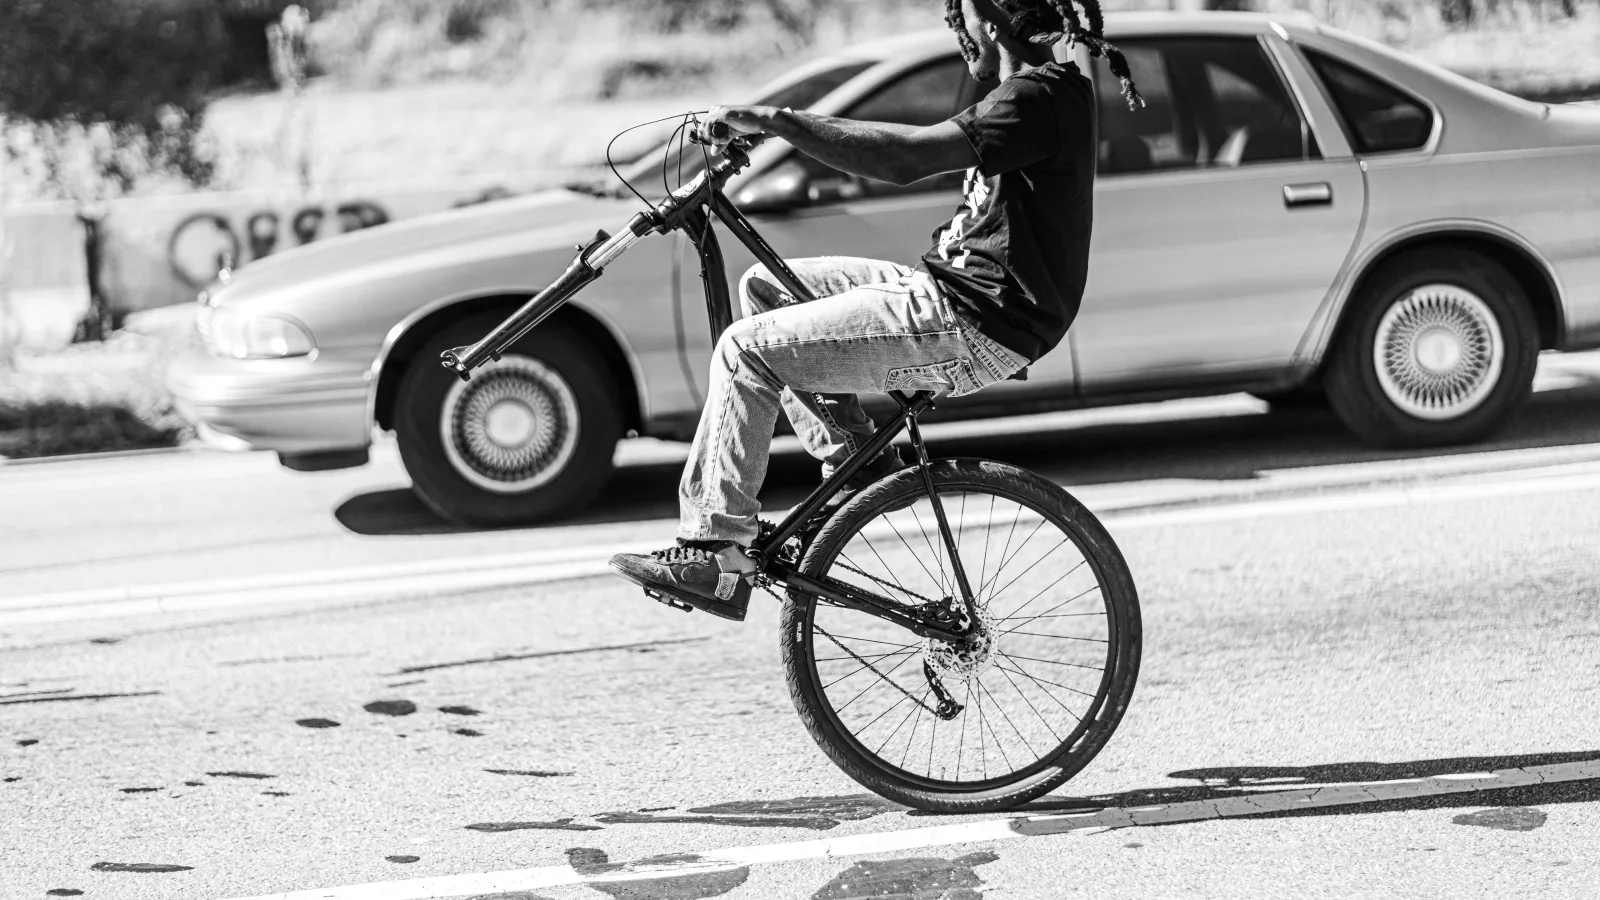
x=530, y=437
x=1440, y=349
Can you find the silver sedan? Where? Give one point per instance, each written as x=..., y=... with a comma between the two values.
x=1296, y=212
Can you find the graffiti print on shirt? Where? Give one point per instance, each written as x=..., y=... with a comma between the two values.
x=951, y=249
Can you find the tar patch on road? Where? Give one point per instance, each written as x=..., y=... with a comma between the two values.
x=402, y=859
x=460, y=711
x=1506, y=818
x=919, y=878
x=239, y=775
x=316, y=723
x=391, y=707
x=466, y=732
x=815, y=813
x=689, y=886
x=557, y=825
x=63, y=892
x=138, y=867
x=536, y=773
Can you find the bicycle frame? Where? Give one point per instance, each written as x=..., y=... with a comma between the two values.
x=690, y=209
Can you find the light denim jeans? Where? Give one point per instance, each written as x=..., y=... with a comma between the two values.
x=875, y=326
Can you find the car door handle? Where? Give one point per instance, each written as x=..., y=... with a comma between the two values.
x=1318, y=194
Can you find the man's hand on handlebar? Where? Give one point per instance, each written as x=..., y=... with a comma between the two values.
x=724, y=124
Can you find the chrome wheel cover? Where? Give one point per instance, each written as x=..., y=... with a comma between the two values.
x=1438, y=352
x=512, y=428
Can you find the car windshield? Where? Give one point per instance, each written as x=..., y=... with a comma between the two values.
x=801, y=94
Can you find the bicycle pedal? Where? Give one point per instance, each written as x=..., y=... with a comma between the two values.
x=668, y=599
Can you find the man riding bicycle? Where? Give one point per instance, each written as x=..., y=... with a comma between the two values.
x=997, y=290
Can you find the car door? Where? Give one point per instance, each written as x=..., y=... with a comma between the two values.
x=1219, y=226
x=804, y=208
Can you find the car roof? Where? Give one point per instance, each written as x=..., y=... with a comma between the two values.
x=932, y=42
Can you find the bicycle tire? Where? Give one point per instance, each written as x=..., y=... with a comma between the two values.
x=902, y=491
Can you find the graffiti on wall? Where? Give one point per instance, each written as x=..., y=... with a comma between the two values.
x=207, y=242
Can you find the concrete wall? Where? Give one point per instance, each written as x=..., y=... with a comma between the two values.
x=159, y=251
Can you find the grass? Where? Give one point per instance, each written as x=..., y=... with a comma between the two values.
x=91, y=398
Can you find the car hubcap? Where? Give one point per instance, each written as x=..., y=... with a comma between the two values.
x=1438, y=352
x=511, y=428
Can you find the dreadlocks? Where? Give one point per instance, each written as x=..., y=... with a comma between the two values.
x=1046, y=22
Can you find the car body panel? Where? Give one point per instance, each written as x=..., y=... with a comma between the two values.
x=1142, y=322
x=1526, y=173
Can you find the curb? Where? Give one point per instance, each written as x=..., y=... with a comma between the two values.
x=7, y=462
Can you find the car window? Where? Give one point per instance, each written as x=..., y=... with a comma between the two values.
x=1378, y=118
x=1209, y=102
x=925, y=96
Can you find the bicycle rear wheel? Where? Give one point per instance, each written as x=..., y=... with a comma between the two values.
x=1039, y=695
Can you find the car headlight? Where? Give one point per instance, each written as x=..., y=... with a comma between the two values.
x=242, y=335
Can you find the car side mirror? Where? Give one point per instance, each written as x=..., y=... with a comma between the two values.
x=779, y=189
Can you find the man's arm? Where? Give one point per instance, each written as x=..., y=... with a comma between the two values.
x=882, y=151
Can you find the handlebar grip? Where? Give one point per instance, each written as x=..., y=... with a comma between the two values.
x=718, y=131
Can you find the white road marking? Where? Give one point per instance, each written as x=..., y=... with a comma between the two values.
x=463, y=573
x=1074, y=823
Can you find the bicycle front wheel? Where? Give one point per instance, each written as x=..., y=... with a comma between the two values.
x=1039, y=691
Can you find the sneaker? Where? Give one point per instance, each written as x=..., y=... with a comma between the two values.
x=704, y=575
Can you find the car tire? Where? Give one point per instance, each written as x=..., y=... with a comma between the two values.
x=1440, y=348
x=1306, y=396
x=529, y=438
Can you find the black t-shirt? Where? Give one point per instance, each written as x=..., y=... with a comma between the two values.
x=1015, y=257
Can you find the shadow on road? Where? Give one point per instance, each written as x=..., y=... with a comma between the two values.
x=1230, y=448
x=1232, y=782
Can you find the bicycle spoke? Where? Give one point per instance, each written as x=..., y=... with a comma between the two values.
x=861, y=668
x=886, y=568
x=1053, y=662
x=1037, y=680
x=1014, y=554
x=913, y=737
x=896, y=529
x=916, y=705
x=868, y=656
x=1056, y=616
x=1031, y=568
x=1015, y=518
x=998, y=744
x=1018, y=689
x=1007, y=716
x=884, y=677
x=937, y=552
x=1057, y=637
x=848, y=637
x=1053, y=698
x=1058, y=605
x=892, y=707
x=983, y=570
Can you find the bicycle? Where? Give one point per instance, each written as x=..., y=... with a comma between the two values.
x=849, y=602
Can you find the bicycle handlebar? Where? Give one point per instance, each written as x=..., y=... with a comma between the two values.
x=593, y=257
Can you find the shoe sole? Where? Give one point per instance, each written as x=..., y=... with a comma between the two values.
x=681, y=600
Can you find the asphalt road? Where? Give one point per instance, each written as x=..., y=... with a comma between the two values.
x=1340, y=645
